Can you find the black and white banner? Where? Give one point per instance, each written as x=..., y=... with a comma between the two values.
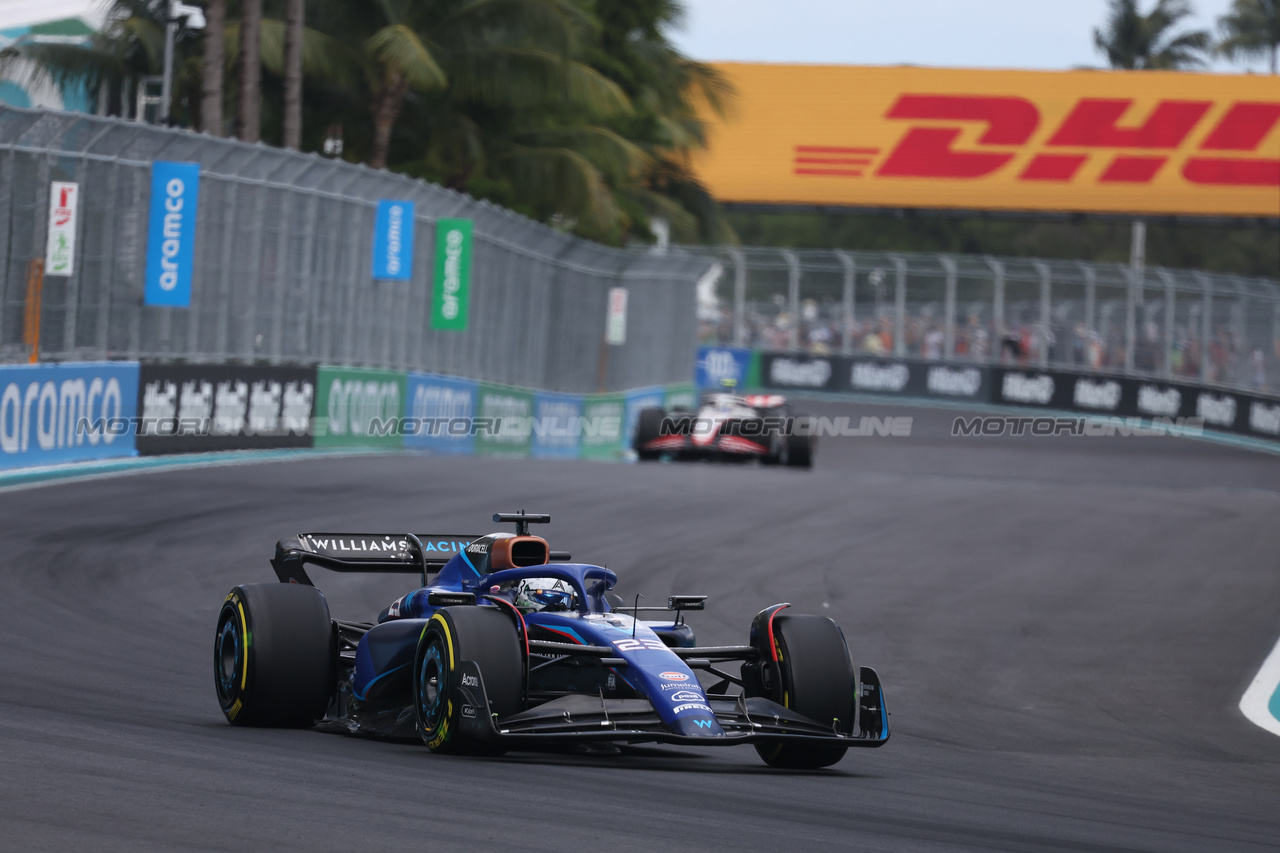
x=1024, y=386
x=191, y=408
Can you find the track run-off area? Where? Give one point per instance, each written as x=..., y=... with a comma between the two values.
x=1064, y=628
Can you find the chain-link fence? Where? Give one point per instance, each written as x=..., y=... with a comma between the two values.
x=283, y=268
x=1162, y=323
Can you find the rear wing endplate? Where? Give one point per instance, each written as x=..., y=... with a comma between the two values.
x=400, y=553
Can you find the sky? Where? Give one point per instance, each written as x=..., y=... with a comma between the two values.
x=958, y=33
x=15, y=13
x=1048, y=34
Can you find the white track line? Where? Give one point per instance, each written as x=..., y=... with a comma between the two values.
x=1261, y=697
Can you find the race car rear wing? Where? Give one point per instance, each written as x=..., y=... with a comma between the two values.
x=405, y=553
x=399, y=553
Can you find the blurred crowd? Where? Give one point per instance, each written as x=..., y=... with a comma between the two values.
x=1230, y=359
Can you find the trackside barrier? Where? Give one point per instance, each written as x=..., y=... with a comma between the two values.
x=59, y=413
x=188, y=408
x=1252, y=414
x=42, y=406
x=281, y=258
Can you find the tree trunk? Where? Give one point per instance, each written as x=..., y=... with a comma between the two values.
x=386, y=109
x=214, y=63
x=294, y=23
x=248, y=113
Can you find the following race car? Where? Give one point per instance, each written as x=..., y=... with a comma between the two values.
x=512, y=645
x=727, y=427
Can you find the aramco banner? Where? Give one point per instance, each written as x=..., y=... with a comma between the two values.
x=1139, y=142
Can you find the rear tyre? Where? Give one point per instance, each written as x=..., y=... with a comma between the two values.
x=816, y=679
x=274, y=656
x=648, y=427
x=799, y=451
x=485, y=635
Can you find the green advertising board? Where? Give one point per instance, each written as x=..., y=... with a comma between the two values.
x=603, y=426
x=753, y=372
x=358, y=408
x=680, y=397
x=508, y=412
x=451, y=293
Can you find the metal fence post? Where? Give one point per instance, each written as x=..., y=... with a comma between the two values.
x=1046, y=312
x=6, y=239
x=1206, y=324
x=900, y=307
x=793, y=298
x=72, y=316
x=739, y=298
x=254, y=251
x=1169, y=315
x=847, y=303
x=1090, y=296
x=949, y=310
x=222, y=329
x=1137, y=264
x=997, y=308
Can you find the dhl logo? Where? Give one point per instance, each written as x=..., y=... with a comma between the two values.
x=1127, y=142
x=1226, y=156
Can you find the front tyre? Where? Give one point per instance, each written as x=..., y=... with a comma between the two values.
x=274, y=657
x=814, y=677
x=484, y=635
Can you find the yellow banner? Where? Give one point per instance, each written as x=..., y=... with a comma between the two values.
x=1140, y=142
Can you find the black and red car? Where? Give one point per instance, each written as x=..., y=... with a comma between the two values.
x=728, y=427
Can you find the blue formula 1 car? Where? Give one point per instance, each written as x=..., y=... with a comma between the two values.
x=512, y=645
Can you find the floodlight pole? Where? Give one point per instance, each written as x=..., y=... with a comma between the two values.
x=166, y=81
x=177, y=14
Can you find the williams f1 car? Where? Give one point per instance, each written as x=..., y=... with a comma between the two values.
x=728, y=427
x=512, y=645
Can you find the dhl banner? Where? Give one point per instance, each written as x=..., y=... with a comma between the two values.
x=1142, y=142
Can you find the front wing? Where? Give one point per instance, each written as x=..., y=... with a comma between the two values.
x=581, y=718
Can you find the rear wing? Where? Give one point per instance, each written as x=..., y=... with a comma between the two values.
x=400, y=553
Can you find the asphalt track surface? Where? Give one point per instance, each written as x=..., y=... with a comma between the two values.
x=1063, y=627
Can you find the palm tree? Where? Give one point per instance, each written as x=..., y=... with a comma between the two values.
x=1136, y=41
x=672, y=95
x=294, y=29
x=1251, y=29
x=213, y=66
x=487, y=54
x=601, y=169
x=249, y=102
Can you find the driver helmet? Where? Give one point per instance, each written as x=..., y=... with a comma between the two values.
x=535, y=594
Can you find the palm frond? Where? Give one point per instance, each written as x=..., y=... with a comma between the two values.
x=550, y=24
x=561, y=180
x=323, y=57
x=526, y=77
x=615, y=157
x=398, y=47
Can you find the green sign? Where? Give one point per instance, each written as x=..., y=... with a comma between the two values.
x=681, y=397
x=603, y=426
x=451, y=294
x=502, y=423
x=359, y=408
